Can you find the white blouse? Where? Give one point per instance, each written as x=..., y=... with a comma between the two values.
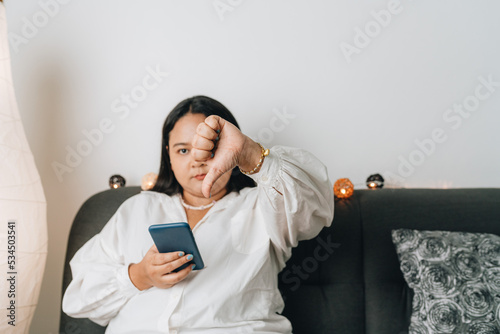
x=245, y=240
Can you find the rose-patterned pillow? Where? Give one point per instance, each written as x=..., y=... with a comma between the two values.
x=456, y=280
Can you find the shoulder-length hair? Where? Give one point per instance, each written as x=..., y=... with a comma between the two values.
x=166, y=182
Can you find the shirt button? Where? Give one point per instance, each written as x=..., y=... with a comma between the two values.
x=264, y=179
x=173, y=332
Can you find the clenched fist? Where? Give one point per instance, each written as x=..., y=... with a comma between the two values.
x=226, y=145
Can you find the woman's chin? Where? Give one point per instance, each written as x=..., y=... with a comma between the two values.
x=194, y=192
x=194, y=188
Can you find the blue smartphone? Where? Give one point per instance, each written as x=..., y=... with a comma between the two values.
x=175, y=237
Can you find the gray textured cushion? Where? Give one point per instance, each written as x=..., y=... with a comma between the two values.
x=456, y=280
x=388, y=299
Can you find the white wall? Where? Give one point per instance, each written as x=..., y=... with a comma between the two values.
x=360, y=114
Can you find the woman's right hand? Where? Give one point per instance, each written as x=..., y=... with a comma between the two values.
x=156, y=268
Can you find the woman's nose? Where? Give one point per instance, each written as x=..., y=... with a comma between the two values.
x=197, y=164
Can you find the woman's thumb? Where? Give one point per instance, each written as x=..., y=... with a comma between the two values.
x=209, y=180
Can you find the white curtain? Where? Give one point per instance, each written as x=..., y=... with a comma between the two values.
x=23, y=222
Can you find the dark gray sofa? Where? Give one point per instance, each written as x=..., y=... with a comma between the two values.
x=347, y=280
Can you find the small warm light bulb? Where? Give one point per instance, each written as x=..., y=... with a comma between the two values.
x=375, y=181
x=343, y=188
x=116, y=181
x=148, y=181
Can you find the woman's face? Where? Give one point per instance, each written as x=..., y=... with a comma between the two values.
x=188, y=172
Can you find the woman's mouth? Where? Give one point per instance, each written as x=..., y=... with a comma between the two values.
x=200, y=176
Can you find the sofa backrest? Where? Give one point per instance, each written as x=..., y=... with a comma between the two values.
x=387, y=296
x=89, y=221
x=346, y=280
x=322, y=284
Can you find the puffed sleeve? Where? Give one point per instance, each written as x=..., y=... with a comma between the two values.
x=101, y=285
x=295, y=197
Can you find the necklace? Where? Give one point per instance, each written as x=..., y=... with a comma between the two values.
x=190, y=207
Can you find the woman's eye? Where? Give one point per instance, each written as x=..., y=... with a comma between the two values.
x=183, y=151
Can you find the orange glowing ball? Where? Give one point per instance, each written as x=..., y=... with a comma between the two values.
x=148, y=181
x=343, y=188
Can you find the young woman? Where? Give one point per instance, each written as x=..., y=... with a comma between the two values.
x=247, y=207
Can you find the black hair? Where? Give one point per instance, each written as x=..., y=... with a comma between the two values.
x=166, y=182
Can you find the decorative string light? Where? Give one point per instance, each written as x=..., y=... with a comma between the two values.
x=116, y=181
x=148, y=181
x=343, y=188
x=375, y=181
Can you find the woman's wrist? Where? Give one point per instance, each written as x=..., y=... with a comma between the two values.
x=137, y=278
x=250, y=155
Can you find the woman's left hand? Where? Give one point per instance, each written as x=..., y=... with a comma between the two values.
x=226, y=145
